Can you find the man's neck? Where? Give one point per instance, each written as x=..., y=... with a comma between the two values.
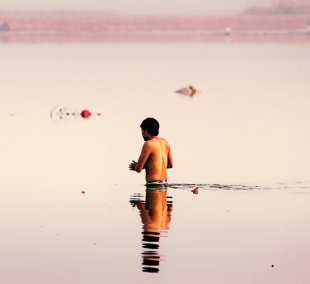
x=150, y=137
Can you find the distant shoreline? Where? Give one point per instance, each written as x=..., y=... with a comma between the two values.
x=98, y=27
x=102, y=22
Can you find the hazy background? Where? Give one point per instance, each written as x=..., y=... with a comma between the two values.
x=139, y=6
x=66, y=190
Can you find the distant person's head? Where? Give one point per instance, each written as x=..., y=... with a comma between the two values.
x=193, y=90
x=149, y=126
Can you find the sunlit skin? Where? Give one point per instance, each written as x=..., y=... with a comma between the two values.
x=155, y=157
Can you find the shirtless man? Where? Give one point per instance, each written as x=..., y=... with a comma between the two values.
x=155, y=156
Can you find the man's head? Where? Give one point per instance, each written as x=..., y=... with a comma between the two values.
x=149, y=127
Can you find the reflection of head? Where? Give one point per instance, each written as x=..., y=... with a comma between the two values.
x=150, y=269
x=192, y=89
x=149, y=237
x=152, y=126
x=151, y=257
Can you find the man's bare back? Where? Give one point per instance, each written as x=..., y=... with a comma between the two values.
x=155, y=157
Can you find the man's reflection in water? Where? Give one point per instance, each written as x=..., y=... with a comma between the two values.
x=155, y=214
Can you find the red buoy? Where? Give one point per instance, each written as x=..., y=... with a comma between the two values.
x=85, y=113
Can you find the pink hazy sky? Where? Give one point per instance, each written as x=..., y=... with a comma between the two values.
x=137, y=6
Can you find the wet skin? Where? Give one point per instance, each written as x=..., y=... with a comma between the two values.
x=155, y=157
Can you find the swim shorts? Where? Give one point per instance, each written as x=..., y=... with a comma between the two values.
x=160, y=185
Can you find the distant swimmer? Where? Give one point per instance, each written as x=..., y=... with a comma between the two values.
x=188, y=91
x=155, y=156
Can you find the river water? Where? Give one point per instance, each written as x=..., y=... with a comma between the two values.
x=72, y=212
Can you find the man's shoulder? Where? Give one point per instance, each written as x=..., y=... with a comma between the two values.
x=154, y=143
x=148, y=144
x=164, y=141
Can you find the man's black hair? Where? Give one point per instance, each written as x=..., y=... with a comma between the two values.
x=152, y=126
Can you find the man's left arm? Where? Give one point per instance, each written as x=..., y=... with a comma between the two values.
x=169, y=160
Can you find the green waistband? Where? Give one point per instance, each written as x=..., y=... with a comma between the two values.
x=157, y=182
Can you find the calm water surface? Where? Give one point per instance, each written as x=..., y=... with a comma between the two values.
x=243, y=141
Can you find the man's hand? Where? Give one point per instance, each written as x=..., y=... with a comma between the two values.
x=132, y=166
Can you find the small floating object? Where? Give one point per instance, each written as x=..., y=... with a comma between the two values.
x=195, y=191
x=85, y=113
x=65, y=114
x=83, y=192
x=272, y=265
x=188, y=91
